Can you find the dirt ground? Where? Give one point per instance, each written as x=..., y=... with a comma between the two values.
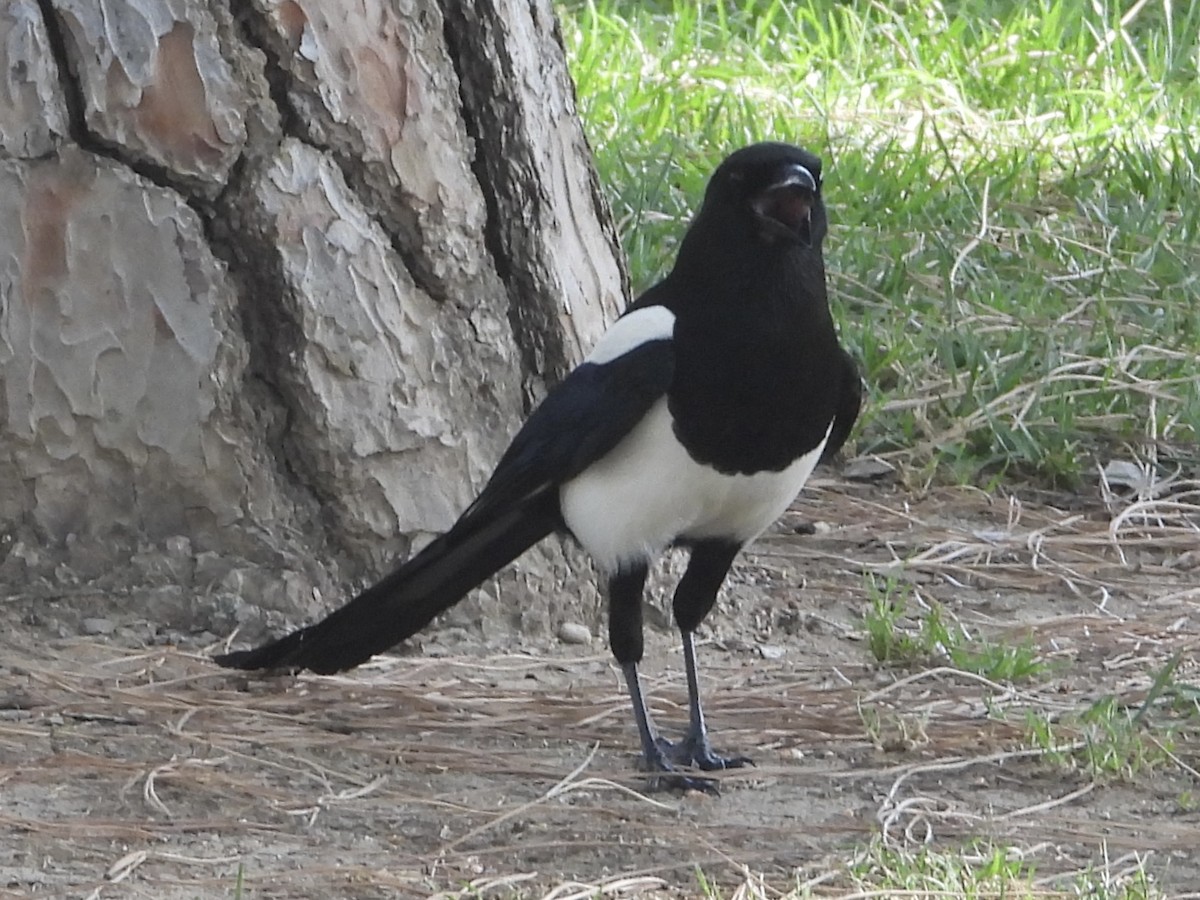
x=131, y=767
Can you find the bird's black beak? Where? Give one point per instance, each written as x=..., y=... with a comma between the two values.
x=784, y=207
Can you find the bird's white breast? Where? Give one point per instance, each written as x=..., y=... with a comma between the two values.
x=647, y=492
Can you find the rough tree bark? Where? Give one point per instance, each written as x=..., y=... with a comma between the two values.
x=279, y=279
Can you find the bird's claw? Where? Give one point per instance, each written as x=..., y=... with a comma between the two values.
x=695, y=751
x=691, y=751
x=665, y=777
x=677, y=781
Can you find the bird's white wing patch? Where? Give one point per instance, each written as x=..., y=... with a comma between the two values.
x=654, y=323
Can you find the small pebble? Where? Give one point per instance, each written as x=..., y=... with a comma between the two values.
x=1186, y=561
x=771, y=651
x=867, y=468
x=97, y=625
x=574, y=633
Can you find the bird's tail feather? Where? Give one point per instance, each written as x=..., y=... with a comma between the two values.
x=405, y=601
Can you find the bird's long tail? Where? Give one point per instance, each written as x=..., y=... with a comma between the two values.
x=405, y=601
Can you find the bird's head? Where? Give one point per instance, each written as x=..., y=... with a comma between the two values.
x=774, y=190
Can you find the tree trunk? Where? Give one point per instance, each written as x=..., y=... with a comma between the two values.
x=279, y=280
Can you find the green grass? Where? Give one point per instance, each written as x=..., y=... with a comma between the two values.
x=1111, y=740
x=894, y=637
x=982, y=871
x=977, y=871
x=1103, y=742
x=1013, y=188
x=992, y=872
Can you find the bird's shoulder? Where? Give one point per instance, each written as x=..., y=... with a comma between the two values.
x=641, y=324
x=587, y=414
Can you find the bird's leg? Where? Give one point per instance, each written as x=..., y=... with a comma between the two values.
x=694, y=749
x=655, y=750
x=694, y=597
x=625, y=638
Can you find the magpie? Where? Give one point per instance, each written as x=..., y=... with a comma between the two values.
x=694, y=422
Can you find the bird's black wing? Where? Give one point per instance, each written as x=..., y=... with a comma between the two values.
x=849, y=403
x=581, y=420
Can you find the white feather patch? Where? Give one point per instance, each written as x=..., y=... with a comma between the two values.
x=647, y=492
x=654, y=323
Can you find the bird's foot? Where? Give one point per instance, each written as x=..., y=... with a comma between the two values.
x=665, y=777
x=694, y=750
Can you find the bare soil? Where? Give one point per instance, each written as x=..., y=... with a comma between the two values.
x=483, y=765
